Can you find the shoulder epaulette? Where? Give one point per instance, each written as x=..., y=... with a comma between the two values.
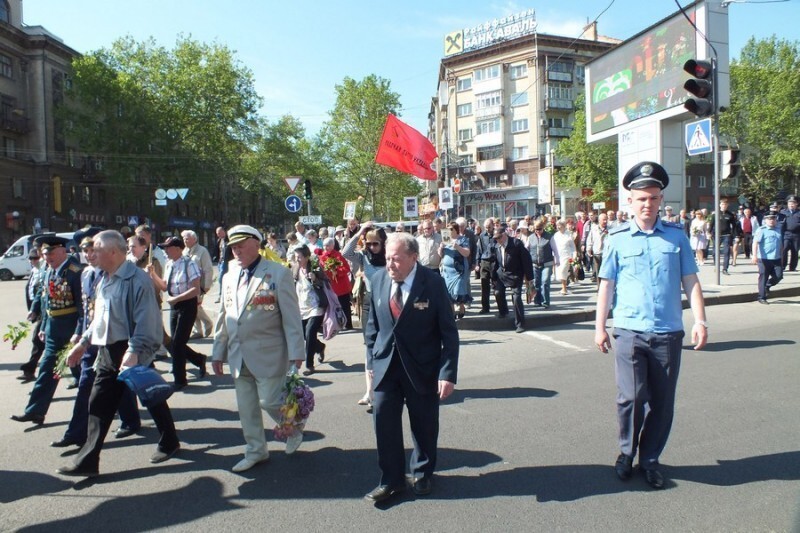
x=625, y=226
x=73, y=267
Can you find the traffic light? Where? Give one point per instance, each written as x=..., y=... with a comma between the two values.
x=307, y=190
x=701, y=86
x=730, y=164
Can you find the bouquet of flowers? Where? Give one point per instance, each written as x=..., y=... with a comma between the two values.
x=61, y=369
x=332, y=265
x=298, y=402
x=16, y=334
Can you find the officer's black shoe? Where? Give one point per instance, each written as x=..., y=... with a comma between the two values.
x=624, y=467
x=654, y=478
x=27, y=417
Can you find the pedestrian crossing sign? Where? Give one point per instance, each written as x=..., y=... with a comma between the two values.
x=698, y=137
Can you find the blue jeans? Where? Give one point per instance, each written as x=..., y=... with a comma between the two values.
x=541, y=284
x=725, y=250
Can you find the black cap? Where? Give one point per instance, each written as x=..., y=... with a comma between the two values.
x=774, y=205
x=172, y=241
x=81, y=235
x=645, y=174
x=48, y=242
x=792, y=198
x=34, y=254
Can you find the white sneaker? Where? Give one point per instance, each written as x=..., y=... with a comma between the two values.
x=364, y=400
x=247, y=463
x=294, y=442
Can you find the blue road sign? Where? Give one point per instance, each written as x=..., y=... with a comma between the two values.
x=293, y=203
x=698, y=137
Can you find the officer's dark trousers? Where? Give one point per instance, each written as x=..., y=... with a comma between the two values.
x=791, y=244
x=104, y=402
x=128, y=409
x=36, y=350
x=770, y=274
x=647, y=366
x=46, y=382
x=486, y=284
x=181, y=320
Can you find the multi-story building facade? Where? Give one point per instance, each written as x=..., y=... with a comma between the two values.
x=506, y=97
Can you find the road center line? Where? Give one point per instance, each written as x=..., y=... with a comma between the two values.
x=557, y=342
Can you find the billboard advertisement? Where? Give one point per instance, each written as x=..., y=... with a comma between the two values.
x=641, y=77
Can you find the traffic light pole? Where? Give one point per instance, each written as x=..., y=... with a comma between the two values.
x=715, y=146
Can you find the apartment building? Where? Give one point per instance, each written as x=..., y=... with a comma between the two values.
x=506, y=97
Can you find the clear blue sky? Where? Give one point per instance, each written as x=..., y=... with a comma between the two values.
x=299, y=51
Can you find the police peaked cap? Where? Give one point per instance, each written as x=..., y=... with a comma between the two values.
x=646, y=174
x=47, y=242
x=82, y=234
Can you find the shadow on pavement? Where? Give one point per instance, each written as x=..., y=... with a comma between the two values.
x=726, y=346
x=461, y=395
x=19, y=485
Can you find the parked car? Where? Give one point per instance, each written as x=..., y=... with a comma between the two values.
x=14, y=263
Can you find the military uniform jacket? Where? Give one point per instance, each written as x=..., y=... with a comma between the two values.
x=60, y=305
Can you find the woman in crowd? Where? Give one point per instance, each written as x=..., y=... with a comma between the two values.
x=275, y=245
x=455, y=268
x=699, y=241
x=309, y=285
x=337, y=269
x=292, y=244
x=567, y=253
x=367, y=262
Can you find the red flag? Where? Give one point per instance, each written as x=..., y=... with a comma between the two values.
x=405, y=149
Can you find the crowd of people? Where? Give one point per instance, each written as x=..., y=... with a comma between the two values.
x=404, y=289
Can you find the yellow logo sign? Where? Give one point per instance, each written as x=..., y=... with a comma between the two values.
x=454, y=43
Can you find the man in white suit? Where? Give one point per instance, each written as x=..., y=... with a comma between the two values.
x=260, y=334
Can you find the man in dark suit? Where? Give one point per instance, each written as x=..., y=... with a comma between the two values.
x=33, y=293
x=412, y=357
x=512, y=267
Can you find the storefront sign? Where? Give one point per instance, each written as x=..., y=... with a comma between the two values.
x=490, y=32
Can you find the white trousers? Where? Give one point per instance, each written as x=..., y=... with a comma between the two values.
x=252, y=395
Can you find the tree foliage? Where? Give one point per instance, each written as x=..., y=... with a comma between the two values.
x=764, y=117
x=350, y=140
x=590, y=166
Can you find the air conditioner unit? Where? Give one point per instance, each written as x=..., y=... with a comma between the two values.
x=543, y=122
x=118, y=219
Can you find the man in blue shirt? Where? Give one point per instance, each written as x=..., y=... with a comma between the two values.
x=767, y=251
x=645, y=263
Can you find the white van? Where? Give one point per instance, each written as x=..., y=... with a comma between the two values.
x=14, y=263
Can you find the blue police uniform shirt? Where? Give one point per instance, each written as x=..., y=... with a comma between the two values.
x=769, y=243
x=647, y=270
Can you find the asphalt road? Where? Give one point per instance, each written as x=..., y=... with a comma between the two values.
x=527, y=443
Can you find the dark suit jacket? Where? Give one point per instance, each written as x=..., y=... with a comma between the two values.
x=517, y=265
x=425, y=334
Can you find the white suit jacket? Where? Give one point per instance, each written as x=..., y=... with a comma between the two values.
x=265, y=329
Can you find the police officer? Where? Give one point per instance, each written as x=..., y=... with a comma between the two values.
x=644, y=265
x=61, y=312
x=791, y=233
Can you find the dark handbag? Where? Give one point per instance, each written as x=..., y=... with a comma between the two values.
x=147, y=383
x=580, y=275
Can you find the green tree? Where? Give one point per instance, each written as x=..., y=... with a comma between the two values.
x=157, y=117
x=350, y=140
x=590, y=166
x=764, y=117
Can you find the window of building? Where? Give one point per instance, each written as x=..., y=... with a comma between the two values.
x=487, y=73
x=487, y=126
x=519, y=152
x=493, y=182
x=580, y=73
x=702, y=182
x=519, y=99
x=559, y=90
x=556, y=122
x=492, y=99
x=467, y=160
x=4, y=11
x=490, y=152
x=465, y=134
x=6, y=66
x=521, y=180
x=86, y=195
x=518, y=71
x=559, y=66
x=464, y=110
x=519, y=125
x=688, y=181
x=16, y=188
x=464, y=84
x=101, y=196
x=9, y=147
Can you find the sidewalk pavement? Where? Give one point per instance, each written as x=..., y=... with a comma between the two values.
x=579, y=305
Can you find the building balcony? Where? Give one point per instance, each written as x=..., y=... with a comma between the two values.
x=483, y=140
x=558, y=132
x=14, y=124
x=559, y=76
x=491, y=165
x=558, y=103
x=489, y=112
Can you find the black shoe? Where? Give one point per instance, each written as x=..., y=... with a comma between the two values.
x=308, y=371
x=75, y=470
x=459, y=315
x=202, y=367
x=624, y=467
x=122, y=432
x=383, y=492
x=179, y=386
x=160, y=457
x=73, y=384
x=484, y=312
x=370, y=409
x=321, y=357
x=422, y=486
x=27, y=417
x=761, y=301
x=726, y=272
x=27, y=377
x=66, y=443
x=654, y=478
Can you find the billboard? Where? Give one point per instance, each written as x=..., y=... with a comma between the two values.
x=642, y=76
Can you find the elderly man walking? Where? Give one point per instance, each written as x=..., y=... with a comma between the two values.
x=203, y=325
